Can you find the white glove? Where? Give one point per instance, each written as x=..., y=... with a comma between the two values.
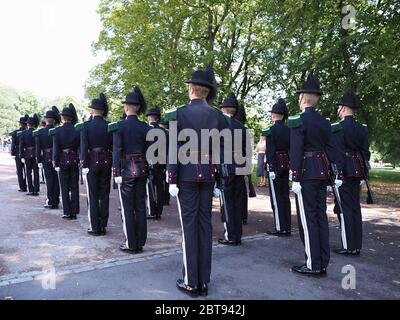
x=173, y=190
x=338, y=183
x=272, y=175
x=362, y=182
x=217, y=192
x=290, y=175
x=118, y=180
x=329, y=188
x=57, y=169
x=296, y=187
x=40, y=166
x=22, y=160
x=85, y=171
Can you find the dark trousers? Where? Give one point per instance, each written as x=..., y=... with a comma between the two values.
x=69, y=180
x=157, y=195
x=133, y=210
x=98, y=189
x=283, y=212
x=350, y=196
x=32, y=175
x=236, y=198
x=20, y=173
x=167, y=196
x=195, y=207
x=313, y=225
x=53, y=187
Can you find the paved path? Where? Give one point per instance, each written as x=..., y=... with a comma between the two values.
x=34, y=241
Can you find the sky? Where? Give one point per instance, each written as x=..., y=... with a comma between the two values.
x=45, y=45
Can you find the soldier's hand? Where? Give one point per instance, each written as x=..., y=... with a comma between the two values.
x=118, y=180
x=290, y=175
x=85, y=171
x=40, y=166
x=57, y=169
x=217, y=192
x=362, y=182
x=272, y=175
x=296, y=187
x=173, y=190
x=338, y=183
x=22, y=160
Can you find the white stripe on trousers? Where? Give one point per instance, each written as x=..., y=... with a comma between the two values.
x=342, y=226
x=88, y=202
x=305, y=229
x=226, y=234
x=123, y=215
x=186, y=277
x=276, y=211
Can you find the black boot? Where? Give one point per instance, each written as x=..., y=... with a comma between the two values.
x=190, y=291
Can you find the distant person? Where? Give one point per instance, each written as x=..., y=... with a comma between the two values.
x=14, y=150
x=260, y=150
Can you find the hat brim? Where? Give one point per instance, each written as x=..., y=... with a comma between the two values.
x=131, y=102
x=318, y=92
x=349, y=105
x=201, y=83
x=153, y=114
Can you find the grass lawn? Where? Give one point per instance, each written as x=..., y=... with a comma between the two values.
x=385, y=175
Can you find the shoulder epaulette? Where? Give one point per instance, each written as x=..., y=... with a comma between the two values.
x=79, y=127
x=336, y=127
x=12, y=133
x=52, y=132
x=19, y=133
x=36, y=132
x=113, y=126
x=267, y=131
x=171, y=114
x=295, y=121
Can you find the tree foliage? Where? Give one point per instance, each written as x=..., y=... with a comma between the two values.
x=260, y=50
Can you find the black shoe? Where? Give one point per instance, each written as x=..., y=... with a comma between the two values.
x=73, y=217
x=203, y=290
x=324, y=272
x=341, y=251
x=139, y=250
x=30, y=194
x=229, y=243
x=93, y=233
x=66, y=217
x=158, y=218
x=125, y=249
x=47, y=206
x=35, y=194
x=151, y=217
x=55, y=207
x=306, y=271
x=358, y=252
x=192, y=292
x=103, y=231
x=22, y=190
x=277, y=233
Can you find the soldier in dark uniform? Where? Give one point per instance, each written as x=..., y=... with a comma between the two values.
x=235, y=189
x=310, y=152
x=27, y=151
x=44, y=156
x=96, y=161
x=130, y=171
x=167, y=197
x=352, y=141
x=277, y=155
x=66, y=161
x=15, y=142
x=193, y=183
x=157, y=174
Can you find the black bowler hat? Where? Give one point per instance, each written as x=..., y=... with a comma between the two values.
x=136, y=98
x=230, y=102
x=311, y=85
x=54, y=113
x=154, y=112
x=24, y=120
x=100, y=103
x=349, y=100
x=34, y=120
x=70, y=111
x=241, y=115
x=205, y=78
x=280, y=107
